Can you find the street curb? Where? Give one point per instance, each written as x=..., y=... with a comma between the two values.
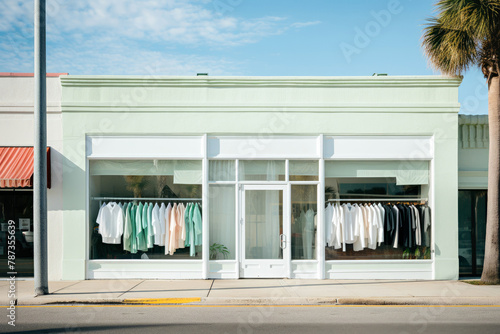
x=222, y=301
x=424, y=301
x=161, y=301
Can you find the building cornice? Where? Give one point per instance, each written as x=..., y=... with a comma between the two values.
x=272, y=81
x=330, y=108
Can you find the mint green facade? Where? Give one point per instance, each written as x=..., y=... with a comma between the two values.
x=400, y=106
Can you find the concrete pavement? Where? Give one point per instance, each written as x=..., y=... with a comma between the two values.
x=256, y=291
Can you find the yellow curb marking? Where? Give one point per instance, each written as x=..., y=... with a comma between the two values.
x=139, y=305
x=161, y=300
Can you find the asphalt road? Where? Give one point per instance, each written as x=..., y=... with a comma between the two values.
x=258, y=319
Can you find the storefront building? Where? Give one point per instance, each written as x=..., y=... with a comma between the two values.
x=473, y=190
x=255, y=164
x=16, y=171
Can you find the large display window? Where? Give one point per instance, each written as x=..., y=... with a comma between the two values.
x=304, y=221
x=377, y=210
x=145, y=209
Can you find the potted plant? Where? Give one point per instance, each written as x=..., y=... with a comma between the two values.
x=218, y=249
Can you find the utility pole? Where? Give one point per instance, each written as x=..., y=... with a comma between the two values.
x=40, y=166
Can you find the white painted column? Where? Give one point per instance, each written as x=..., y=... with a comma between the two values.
x=205, y=203
x=321, y=209
x=237, y=220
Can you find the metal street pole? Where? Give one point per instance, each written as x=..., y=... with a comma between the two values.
x=40, y=166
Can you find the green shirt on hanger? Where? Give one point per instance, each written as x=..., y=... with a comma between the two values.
x=197, y=222
x=133, y=237
x=187, y=221
x=127, y=228
x=141, y=232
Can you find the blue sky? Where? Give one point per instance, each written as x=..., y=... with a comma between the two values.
x=229, y=37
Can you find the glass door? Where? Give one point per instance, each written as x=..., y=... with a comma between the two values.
x=471, y=231
x=265, y=232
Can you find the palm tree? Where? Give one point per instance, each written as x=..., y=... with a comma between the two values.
x=466, y=33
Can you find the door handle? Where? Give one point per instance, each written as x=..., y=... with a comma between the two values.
x=282, y=241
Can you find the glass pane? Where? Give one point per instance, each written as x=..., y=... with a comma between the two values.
x=347, y=188
x=180, y=169
x=303, y=170
x=481, y=200
x=140, y=226
x=263, y=224
x=406, y=172
x=222, y=170
x=378, y=239
x=465, y=231
x=222, y=222
x=304, y=210
x=265, y=170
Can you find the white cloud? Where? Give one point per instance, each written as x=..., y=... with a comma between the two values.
x=124, y=36
x=305, y=24
x=177, y=21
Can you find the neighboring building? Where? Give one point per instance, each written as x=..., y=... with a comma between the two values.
x=16, y=169
x=262, y=157
x=472, y=194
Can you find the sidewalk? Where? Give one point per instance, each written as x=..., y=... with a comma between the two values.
x=253, y=291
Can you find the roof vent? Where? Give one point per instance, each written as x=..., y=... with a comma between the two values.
x=201, y=74
x=379, y=74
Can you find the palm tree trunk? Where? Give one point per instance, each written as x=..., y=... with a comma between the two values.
x=491, y=269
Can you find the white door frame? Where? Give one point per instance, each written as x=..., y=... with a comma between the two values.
x=264, y=267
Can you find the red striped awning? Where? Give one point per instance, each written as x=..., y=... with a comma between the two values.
x=16, y=167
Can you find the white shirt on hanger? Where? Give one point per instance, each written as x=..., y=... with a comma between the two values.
x=155, y=222
x=396, y=233
x=328, y=225
x=350, y=221
x=360, y=228
x=161, y=216
x=380, y=237
x=110, y=220
x=338, y=226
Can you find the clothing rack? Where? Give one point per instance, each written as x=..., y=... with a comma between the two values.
x=144, y=199
x=378, y=200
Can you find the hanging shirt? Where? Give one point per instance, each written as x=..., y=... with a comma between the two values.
x=151, y=237
x=172, y=246
x=167, y=228
x=141, y=233
x=350, y=222
x=397, y=216
x=161, y=217
x=145, y=224
x=99, y=212
x=133, y=237
x=389, y=227
x=155, y=222
x=328, y=225
x=372, y=224
x=308, y=234
x=380, y=227
x=427, y=226
x=411, y=225
x=187, y=223
x=191, y=236
x=198, y=225
x=182, y=225
x=404, y=226
x=360, y=221
x=110, y=220
x=338, y=226
x=127, y=229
